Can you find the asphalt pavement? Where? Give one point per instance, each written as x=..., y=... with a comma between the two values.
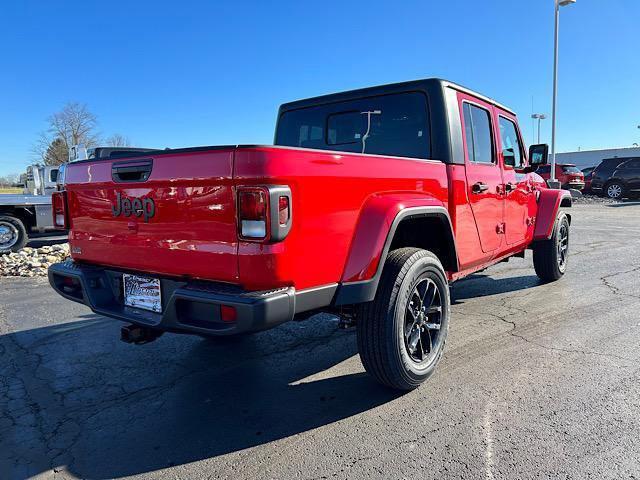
x=538, y=381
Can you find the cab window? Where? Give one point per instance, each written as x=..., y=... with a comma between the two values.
x=395, y=124
x=511, y=149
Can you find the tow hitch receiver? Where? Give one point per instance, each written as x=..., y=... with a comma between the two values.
x=138, y=335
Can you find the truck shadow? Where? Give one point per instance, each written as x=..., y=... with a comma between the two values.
x=481, y=285
x=99, y=408
x=107, y=409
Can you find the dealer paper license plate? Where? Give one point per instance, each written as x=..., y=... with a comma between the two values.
x=142, y=292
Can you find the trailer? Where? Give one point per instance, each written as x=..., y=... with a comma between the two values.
x=29, y=212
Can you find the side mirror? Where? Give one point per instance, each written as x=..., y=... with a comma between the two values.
x=538, y=155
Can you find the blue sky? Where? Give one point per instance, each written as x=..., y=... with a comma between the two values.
x=170, y=74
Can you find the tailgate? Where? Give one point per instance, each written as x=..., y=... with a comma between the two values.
x=168, y=213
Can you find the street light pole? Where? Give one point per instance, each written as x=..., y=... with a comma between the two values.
x=558, y=3
x=539, y=117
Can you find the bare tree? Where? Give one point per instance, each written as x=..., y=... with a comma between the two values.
x=9, y=180
x=72, y=125
x=75, y=124
x=40, y=147
x=118, y=140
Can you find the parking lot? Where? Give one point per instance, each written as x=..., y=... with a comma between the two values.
x=538, y=381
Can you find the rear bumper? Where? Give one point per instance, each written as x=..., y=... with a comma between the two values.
x=574, y=184
x=188, y=307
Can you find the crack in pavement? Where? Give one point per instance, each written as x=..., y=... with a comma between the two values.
x=615, y=290
x=514, y=326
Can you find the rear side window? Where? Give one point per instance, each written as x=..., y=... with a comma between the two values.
x=635, y=163
x=608, y=165
x=396, y=125
x=477, y=130
x=53, y=175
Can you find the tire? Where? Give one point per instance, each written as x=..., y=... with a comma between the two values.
x=382, y=324
x=614, y=190
x=13, y=234
x=550, y=256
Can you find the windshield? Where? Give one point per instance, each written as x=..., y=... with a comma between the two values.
x=570, y=169
x=396, y=125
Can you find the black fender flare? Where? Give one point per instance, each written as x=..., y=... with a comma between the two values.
x=365, y=290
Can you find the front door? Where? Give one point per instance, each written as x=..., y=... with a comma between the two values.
x=484, y=176
x=517, y=186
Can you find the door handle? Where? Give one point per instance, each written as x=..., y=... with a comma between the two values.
x=479, y=187
x=509, y=187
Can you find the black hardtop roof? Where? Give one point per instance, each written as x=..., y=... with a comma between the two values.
x=426, y=84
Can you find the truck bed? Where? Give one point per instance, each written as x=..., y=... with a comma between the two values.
x=24, y=200
x=193, y=233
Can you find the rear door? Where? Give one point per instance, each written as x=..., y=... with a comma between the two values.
x=484, y=177
x=517, y=186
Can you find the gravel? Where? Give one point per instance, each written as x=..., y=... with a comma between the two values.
x=588, y=199
x=32, y=262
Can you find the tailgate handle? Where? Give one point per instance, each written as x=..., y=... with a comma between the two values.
x=136, y=171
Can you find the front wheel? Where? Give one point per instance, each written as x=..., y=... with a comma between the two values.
x=550, y=256
x=402, y=332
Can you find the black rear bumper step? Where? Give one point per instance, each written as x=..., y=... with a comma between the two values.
x=192, y=307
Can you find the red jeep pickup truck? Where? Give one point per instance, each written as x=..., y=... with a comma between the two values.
x=370, y=203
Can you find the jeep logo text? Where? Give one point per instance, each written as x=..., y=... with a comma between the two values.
x=140, y=207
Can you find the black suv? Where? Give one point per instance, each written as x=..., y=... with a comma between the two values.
x=617, y=177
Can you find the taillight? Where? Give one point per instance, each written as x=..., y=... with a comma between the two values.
x=59, y=210
x=252, y=209
x=264, y=213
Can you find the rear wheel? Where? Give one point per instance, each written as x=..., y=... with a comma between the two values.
x=614, y=190
x=402, y=332
x=550, y=256
x=13, y=234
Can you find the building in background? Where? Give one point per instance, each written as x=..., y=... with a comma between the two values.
x=591, y=158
